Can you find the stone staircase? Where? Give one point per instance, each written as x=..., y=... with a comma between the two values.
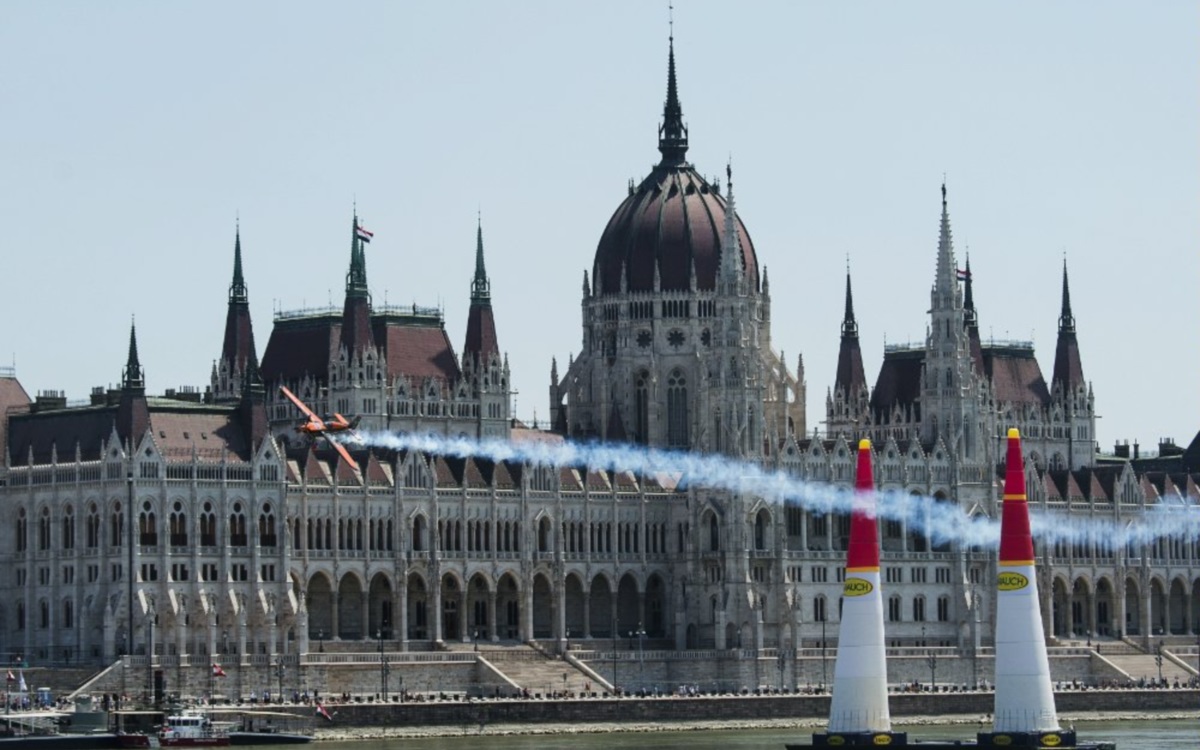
x=533, y=670
x=1141, y=665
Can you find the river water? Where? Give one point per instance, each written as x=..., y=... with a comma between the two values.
x=1129, y=735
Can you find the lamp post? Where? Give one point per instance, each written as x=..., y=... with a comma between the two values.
x=279, y=670
x=151, y=695
x=824, y=673
x=128, y=575
x=641, y=636
x=225, y=648
x=931, y=660
x=321, y=640
x=616, y=690
x=1158, y=659
x=383, y=667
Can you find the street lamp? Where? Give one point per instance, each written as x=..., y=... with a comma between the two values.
x=931, y=660
x=824, y=673
x=475, y=639
x=1158, y=659
x=321, y=640
x=279, y=669
x=383, y=666
x=616, y=690
x=641, y=636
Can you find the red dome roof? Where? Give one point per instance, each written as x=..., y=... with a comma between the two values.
x=674, y=220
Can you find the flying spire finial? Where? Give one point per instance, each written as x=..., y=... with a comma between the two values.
x=1066, y=321
x=481, y=287
x=672, y=134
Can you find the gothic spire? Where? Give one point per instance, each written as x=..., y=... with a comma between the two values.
x=730, y=275
x=1066, y=321
x=237, y=289
x=237, y=348
x=946, y=271
x=672, y=134
x=356, y=277
x=481, y=344
x=133, y=377
x=481, y=287
x=849, y=325
x=851, y=378
x=968, y=297
x=1068, y=365
x=356, y=312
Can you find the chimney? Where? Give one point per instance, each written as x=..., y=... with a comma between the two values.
x=1167, y=447
x=1135, y=449
x=1121, y=450
x=47, y=400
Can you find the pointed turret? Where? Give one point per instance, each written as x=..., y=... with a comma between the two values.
x=133, y=413
x=858, y=711
x=237, y=350
x=946, y=281
x=481, y=344
x=672, y=134
x=1068, y=368
x=971, y=318
x=851, y=376
x=1024, y=696
x=730, y=277
x=356, y=313
x=133, y=379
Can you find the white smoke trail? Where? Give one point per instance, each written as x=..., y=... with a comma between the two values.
x=939, y=521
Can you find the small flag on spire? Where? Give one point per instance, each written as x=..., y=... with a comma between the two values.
x=362, y=233
x=963, y=274
x=217, y=671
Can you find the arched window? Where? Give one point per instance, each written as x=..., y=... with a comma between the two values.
x=237, y=527
x=418, y=534
x=641, y=407
x=68, y=528
x=894, y=608
x=266, y=527
x=819, y=614
x=93, y=527
x=760, y=531
x=919, y=609
x=44, y=530
x=116, y=523
x=147, y=526
x=208, y=527
x=677, y=410
x=22, y=530
x=714, y=534
x=178, y=526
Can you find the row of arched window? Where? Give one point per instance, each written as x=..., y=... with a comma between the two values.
x=179, y=528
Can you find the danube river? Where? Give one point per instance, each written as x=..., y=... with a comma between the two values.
x=1129, y=735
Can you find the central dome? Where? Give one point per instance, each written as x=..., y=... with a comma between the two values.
x=673, y=222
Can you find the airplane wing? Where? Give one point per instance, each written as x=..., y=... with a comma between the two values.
x=299, y=404
x=337, y=446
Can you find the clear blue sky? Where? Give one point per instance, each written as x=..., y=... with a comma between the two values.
x=135, y=132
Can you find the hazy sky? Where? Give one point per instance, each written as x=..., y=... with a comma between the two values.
x=133, y=134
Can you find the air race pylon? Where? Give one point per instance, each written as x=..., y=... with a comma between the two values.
x=1025, y=715
x=858, y=712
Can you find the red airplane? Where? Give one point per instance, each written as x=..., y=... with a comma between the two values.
x=315, y=427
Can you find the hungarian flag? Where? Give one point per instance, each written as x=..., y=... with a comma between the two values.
x=963, y=274
x=363, y=234
x=11, y=677
x=217, y=671
x=322, y=712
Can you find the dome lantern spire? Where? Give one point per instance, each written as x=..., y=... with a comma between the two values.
x=672, y=134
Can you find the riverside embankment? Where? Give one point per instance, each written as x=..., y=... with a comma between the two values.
x=558, y=716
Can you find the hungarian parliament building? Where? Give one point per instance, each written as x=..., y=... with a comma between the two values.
x=200, y=521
